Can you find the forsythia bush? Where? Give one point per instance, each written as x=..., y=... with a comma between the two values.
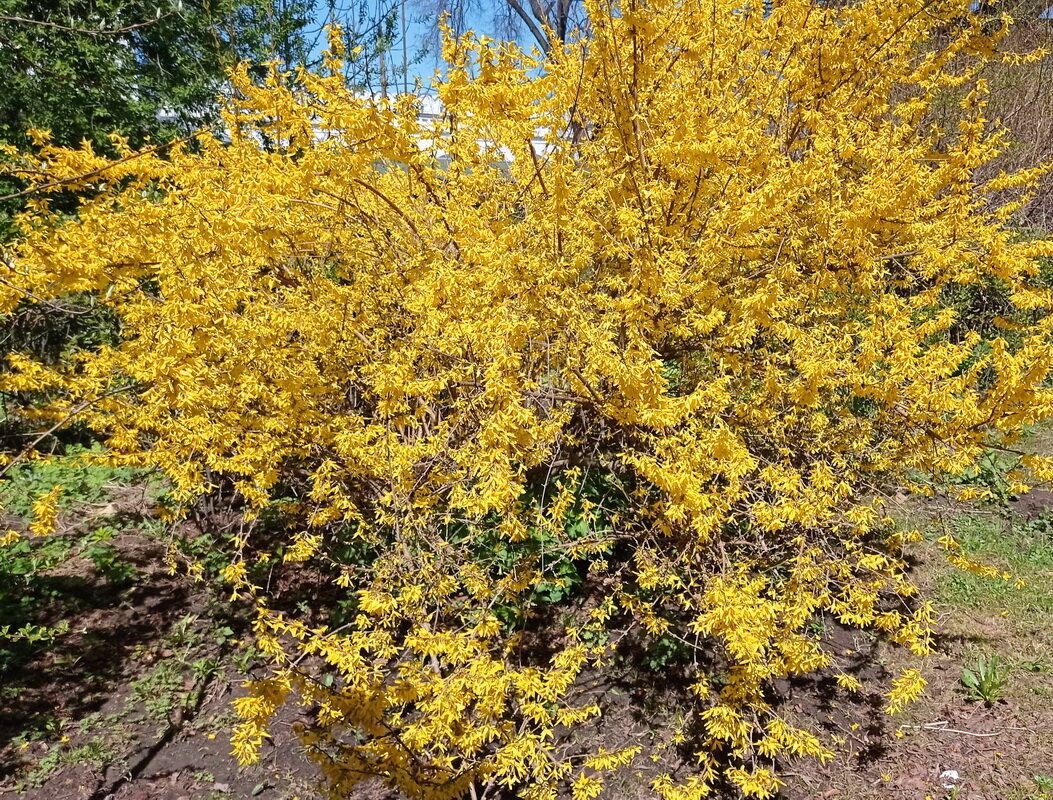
x=654, y=368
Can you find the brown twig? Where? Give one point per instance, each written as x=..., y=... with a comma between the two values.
x=87, y=175
x=41, y=300
x=941, y=725
x=88, y=31
x=390, y=203
x=77, y=410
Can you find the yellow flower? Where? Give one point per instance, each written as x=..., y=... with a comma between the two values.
x=630, y=328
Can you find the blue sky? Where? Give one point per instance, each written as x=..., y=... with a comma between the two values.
x=420, y=53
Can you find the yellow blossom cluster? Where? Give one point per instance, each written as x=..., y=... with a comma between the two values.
x=45, y=512
x=638, y=328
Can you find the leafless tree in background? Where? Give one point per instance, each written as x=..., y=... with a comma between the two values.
x=1022, y=98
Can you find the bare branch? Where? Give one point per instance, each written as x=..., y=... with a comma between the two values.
x=535, y=31
x=87, y=31
x=85, y=176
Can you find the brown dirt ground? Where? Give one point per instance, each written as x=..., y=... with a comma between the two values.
x=106, y=742
x=115, y=709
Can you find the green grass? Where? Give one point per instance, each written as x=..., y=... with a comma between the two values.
x=1018, y=610
x=1025, y=549
x=82, y=481
x=27, y=585
x=97, y=753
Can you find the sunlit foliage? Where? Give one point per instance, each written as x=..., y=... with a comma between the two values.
x=654, y=371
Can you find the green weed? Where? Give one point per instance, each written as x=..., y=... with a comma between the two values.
x=665, y=651
x=987, y=680
x=161, y=689
x=98, y=753
x=82, y=480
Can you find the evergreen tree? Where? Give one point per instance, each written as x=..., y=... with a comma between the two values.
x=148, y=69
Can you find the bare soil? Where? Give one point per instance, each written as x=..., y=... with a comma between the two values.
x=135, y=703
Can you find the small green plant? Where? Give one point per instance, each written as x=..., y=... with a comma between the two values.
x=664, y=652
x=987, y=679
x=245, y=657
x=990, y=473
x=161, y=689
x=88, y=530
x=1043, y=788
